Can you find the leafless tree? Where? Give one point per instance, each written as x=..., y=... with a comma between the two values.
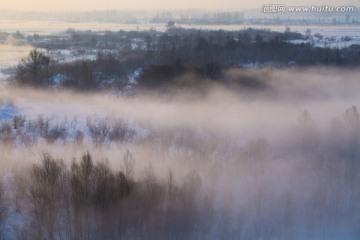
x=3, y=212
x=33, y=69
x=44, y=198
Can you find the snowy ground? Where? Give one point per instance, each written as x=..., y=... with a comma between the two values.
x=7, y=112
x=2, y=76
x=64, y=56
x=332, y=42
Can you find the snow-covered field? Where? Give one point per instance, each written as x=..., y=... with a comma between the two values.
x=39, y=27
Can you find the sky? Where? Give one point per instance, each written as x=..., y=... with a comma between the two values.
x=221, y=5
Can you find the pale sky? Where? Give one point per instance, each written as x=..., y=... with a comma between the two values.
x=78, y=5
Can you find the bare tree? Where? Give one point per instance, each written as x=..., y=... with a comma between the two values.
x=33, y=69
x=352, y=119
x=3, y=212
x=44, y=196
x=81, y=181
x=128, y=165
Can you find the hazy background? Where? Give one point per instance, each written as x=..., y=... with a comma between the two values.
x=217, y=5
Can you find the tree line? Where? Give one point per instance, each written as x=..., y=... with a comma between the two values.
x=163, y=56
x=304, y=187
x=89, y=200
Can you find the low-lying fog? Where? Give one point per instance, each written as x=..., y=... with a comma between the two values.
x=277, y=160
x=10, y=54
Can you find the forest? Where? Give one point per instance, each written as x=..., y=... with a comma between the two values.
x=162, y=57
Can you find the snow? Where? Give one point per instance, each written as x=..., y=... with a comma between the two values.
x=2, y=76
x=74, y=117
x=257, y=64
x=49, y=27
x=7, y=112
x=332, y=42
x=65, y=56
x=132, y=77
x=129, y=89
x=58, y=80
